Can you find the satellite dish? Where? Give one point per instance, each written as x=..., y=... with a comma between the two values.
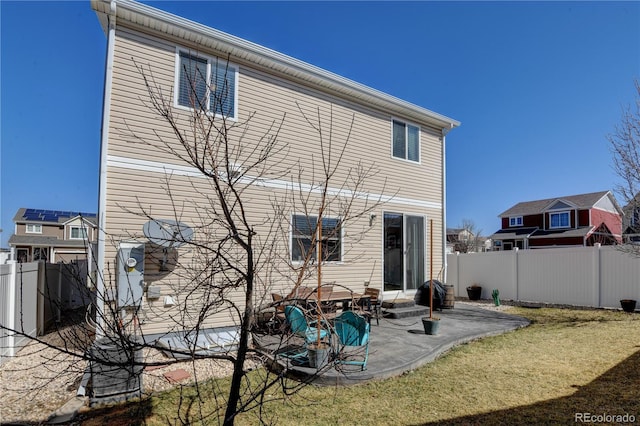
x=167, y=233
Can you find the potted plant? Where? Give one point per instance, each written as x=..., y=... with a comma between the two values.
x=474, y=292
x=318, y=354
x=431, y=324
x=628, y=305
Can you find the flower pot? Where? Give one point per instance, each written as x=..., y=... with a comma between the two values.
x=474, y=292
x=318, y=355
x=628, y=305
x=431, y=325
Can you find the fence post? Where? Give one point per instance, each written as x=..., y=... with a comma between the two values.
x=516, y=252
x=40, y=298
x=597, y=279
x=457, y=290
x=11, y=336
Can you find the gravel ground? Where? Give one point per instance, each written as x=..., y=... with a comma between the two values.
x=41, y=379
x=486, y=304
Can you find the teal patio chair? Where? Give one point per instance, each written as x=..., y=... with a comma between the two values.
x=300, y=326
x=352, y=331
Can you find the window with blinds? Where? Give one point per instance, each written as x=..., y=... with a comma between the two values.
x=302, y=231
x=406, y=141
x=206, y=84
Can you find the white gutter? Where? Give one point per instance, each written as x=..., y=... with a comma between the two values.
x=102, y=190
x=445, y=130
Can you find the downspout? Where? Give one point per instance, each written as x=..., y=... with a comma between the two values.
x=445, y=130
x=102, y=189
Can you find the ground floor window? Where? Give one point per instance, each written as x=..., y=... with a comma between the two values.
x=40, y=253
x=302, y=232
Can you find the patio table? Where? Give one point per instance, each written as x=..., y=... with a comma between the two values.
x=344, y=297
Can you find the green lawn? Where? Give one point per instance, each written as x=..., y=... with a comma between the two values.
x=565, y=362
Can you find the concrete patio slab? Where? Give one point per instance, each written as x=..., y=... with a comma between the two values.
x=400, y=345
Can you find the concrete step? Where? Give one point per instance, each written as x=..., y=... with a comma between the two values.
x=398, y=303
x=405, y=312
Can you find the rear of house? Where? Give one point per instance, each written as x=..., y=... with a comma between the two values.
x=387, y=248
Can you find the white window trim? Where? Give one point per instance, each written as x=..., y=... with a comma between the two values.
x=567, y=212
x=35, y=226
x=331, y=262
x=85, y=237
x=210, y=60
x=406, y=141
x=513, y=221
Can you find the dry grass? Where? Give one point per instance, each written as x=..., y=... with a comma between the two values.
x=566, y=362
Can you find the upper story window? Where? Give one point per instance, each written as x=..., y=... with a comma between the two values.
x=559, y=220
x=78, y=233
x=406, y=141
x=206, y=84
x=515, y=221
x=33, y=228
x=302, y=233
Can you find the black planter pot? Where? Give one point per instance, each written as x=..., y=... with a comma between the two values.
x=474, y=293
x=628, y=305
x=431, y=325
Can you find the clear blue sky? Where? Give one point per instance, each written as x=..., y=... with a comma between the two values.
x=537, y=87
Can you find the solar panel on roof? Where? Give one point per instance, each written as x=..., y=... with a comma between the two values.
x=52, y=215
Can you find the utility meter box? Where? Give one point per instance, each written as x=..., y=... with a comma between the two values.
x=130, y=274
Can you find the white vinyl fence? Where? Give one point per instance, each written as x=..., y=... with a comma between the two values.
x=582, y=276
x=33, y=296
x=18, y=305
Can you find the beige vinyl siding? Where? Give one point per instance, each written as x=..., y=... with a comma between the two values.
x=269, y=99
x=47, y=231
x=134, y=133
x=67, y=255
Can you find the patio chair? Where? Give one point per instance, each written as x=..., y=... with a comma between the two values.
x=352, y=331
x=372, y=305
x=278, y=300
x=299, y=325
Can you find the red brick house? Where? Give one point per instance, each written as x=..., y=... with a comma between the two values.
x=575, y=220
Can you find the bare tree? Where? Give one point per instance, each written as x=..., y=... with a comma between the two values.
x=233, y=250
x=228, y=260
x=625, y=147
x=468, y=237
x=237, y=251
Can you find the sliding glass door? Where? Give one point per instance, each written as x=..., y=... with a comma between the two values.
x=404, y=252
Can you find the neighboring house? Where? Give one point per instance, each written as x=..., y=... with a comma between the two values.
x=406, y=142
x=575, y=220
x=460, y=240
x=631, y=221
x=51, y=235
